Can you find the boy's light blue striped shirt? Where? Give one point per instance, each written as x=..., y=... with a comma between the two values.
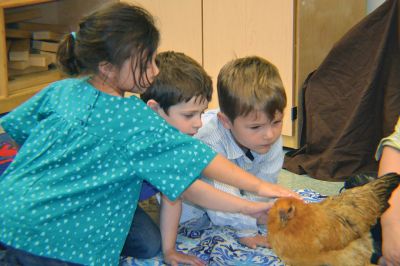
x=265, y=166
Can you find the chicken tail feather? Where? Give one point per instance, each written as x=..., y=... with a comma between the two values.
x=383, y=188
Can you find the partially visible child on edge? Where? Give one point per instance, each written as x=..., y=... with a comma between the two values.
x=180, y=94
x=70, y=194
x=388, y=154
x=247, y=131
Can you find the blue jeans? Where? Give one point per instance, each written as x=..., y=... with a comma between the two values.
x=10, y=256
x=144, y=237
x=147, y=191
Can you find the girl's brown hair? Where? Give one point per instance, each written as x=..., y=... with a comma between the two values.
x=112, y=34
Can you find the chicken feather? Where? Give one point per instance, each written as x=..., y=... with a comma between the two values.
x=334, y=232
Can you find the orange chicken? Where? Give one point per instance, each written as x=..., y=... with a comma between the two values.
x=334, y=232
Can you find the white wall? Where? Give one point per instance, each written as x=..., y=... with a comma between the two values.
x=372, y=4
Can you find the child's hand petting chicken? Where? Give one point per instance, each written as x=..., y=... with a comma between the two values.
x=271, y=190
x=256, y=209
x=333, y=232
x=263, y=217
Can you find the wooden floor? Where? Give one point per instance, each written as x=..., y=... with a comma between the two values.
x=152, y=208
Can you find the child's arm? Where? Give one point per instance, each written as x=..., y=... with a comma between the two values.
x=208, y=197
x=169, y=220
x=20, y=122
x=221, y=169
x=390, y=162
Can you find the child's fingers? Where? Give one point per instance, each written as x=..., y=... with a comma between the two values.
x=266, y=206
x=264, y=243
x=259, y=208
x=295, y=195
x=195, y=262
x=189, y=259
x=288, y=193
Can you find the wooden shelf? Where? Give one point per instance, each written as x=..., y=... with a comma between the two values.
x=31, y=80
x=9, y=103
x=18, y=3
x=17, y=90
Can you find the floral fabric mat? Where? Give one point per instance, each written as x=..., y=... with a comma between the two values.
x=217, y=245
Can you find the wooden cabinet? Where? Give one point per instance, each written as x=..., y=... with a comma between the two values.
x=243, y=28
x=180, y=24
x=15, y=90
x=295, y=35
x=318, y=26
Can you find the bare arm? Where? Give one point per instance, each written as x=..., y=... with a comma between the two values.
x=221, y=169
x=390, y=161
x=169, y=220
x=206, y=196
x=390, y=220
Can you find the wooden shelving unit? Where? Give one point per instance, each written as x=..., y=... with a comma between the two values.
x=17, y=90
x=66, y=14
x=18, y=3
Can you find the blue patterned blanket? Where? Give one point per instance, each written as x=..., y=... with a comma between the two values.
x=218, y=245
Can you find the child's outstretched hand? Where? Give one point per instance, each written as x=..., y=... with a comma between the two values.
x=272, y=190
x=174, y=258
x=254, y=241
x=262, y=219
x=256, y=209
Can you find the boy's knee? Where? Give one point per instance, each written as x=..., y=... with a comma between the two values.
x=152, y=250
x=143, y=243
x=148, y=249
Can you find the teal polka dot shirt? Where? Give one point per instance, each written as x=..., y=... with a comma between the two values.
x=73, y=187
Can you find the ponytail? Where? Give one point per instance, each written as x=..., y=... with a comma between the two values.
x=66, y=57
x=114, y=33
